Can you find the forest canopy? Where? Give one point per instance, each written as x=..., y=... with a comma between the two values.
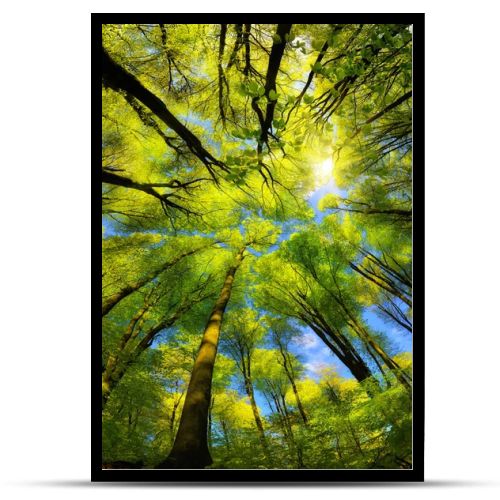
x=256, y=246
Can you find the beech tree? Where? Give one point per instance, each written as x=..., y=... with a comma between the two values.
x=190, y=447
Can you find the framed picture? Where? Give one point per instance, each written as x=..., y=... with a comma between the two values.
x=262, y=219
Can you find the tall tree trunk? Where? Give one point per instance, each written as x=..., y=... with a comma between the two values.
x=389, y=362
x=112, y=376
x=190, y=450
x=237, y=44
x=258, y=420
x=354, y=437
x=171, y=422
x=222, y=78
x=339, y=450
x=377, y=362
x=391, y=288
x=113, y=360
x=299, y=402
x=332, y=395
x=246, y=42
x=294, y=446
x=126, y=290
x=367, y=338
x=282, y=417
x=289, y=373
x=226, y=435
x=333, y=337
x=344, y=350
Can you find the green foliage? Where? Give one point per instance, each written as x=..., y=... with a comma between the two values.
x=235, y=172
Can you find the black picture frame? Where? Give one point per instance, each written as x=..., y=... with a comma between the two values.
x=268, y=476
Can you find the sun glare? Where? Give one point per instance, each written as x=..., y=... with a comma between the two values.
x=324, y=171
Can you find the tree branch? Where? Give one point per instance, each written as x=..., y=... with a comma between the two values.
x=118, y=79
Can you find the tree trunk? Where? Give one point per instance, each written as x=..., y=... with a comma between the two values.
x=190, y=450
x=291, y=378
x=258, y=420
x=299, y=402
x=222, y=78
x=354, y=437
x=389, y=362
x=126, y=290
x=333, y=337
x=226, y=435
x=366, y=337
x=347, y=354
x=119, y=79
x=171, y=423
x=377, y=362
x=380, y=283
x=112, y=376
x=294, y=446
x=114, y=357
x=237, y=44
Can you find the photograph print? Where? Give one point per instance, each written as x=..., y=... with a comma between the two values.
x=258, y=225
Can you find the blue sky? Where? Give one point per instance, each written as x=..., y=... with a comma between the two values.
x=320, y=192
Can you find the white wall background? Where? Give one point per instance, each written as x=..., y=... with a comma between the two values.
x=45, y=249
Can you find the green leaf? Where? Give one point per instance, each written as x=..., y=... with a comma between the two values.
x=317, y=67
x=254, y=89
x=273, y=96
x=366, y=128
x=278, y=124
x=242, y=89
x=235, y=133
